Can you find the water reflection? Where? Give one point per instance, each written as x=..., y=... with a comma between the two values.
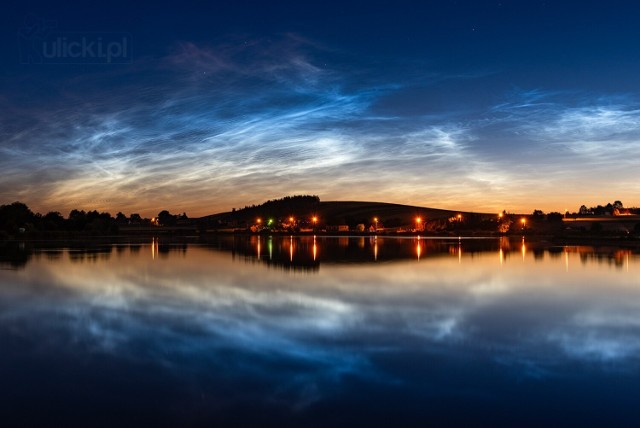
x=309, y=252
x=229, y=331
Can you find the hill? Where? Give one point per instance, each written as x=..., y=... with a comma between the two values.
x=335, y=212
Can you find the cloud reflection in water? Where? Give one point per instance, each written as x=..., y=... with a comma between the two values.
x=306, y=338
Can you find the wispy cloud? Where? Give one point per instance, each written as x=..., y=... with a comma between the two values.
x=273, y=118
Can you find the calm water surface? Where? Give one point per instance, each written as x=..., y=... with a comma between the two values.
x=249, y=331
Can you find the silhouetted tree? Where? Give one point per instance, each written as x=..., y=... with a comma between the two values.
x=121, y=218
x=15, y=216
x=165, y=218
x=77, y=219
x=554, y=217
x=53, y=220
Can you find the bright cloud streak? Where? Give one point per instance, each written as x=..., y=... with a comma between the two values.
x=208, y=128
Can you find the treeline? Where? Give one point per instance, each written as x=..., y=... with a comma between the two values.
x=287, y=203
x=17, y=218
x=283, y=207
x=615, y=208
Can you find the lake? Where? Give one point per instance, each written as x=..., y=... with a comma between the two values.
x=304, y=331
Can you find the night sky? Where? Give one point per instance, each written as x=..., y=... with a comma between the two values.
x=478, y=105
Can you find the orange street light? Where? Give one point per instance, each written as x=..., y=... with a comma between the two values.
x=259, y=220
x=290, y=219
x=418, y=220
x=314, y=219
x=459, y=217
x=499, y=215
x=523, y=221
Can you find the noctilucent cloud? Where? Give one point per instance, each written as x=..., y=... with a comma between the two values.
x=200, y=108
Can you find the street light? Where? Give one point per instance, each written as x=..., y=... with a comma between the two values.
x=524, y=222
x=375, y=220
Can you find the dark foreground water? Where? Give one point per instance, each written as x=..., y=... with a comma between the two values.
x=319, y=332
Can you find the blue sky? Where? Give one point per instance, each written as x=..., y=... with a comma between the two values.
x=464, y=105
